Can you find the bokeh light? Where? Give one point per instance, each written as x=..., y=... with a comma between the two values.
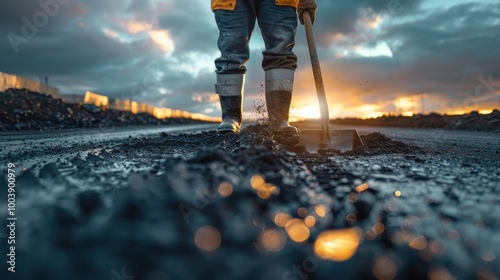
x=310, y=221
x=257, y=181
x=320, y=210
x=488, y=256
x=207, y=239
x=264, y=190
x=338, y=245
x=302, y=212
x=362, y=187
x=378, y=228
x=418, y=243
x=351, y=218
x=272, y=240
x=225, y=189
x=297, y=230
x=440, y=273
x=281, y=219
x=384, y=268
x=370, y=235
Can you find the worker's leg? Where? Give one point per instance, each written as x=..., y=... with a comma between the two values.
x=235, y=30
x=278, y=25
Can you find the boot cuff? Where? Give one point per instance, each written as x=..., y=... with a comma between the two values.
x=230, y=84
x=279, y=80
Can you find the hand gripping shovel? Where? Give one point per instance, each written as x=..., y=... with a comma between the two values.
x=313, y=139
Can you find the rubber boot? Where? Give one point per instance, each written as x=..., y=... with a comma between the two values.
x=231, y=114
x=279, y=88
x=278, y=109
x=230, y=90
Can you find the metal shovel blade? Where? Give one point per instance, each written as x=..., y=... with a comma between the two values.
x=342, y=140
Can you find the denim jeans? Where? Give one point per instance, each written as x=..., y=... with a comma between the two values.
x=278, y=25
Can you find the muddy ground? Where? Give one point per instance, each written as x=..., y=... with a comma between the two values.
x=208, y=206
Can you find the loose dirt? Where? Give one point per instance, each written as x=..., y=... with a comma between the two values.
x=205, y=206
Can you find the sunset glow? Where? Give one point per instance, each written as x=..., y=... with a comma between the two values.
x=485, y=112
x=407, y=106
x=307, y=112
x=135, y=27
x=371, y=64
x=162, y=39
x=370, y=111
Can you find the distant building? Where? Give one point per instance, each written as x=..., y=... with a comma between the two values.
x=11, y=81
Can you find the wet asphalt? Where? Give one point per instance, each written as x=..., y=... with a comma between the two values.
x=181, y=202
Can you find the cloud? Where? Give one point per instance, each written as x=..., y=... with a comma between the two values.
x=136, y=27
x=162, y=39
x=440, y=54
x=377, y=55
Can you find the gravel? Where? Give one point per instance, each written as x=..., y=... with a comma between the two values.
x=22, y=110
x=156, y=207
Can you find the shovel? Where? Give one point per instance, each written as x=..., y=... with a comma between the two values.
x=324, y=138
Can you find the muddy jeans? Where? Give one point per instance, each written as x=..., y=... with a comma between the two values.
x=278, y=25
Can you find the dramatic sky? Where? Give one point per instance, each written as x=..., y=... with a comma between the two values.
x=378, y=56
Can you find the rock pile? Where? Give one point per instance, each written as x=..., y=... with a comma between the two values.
x=27, y=110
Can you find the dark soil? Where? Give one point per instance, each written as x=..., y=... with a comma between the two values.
x=27, y=110
x=131, y=209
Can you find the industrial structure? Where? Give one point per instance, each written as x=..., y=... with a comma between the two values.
x=11, y=81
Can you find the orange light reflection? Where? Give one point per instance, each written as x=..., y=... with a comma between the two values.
x=225, y=189
x=207, y=238
x=310, y=221
x=273, y=240
x=362, y=187
x=320, y=210
x=281, y=219
x=297, y=230
x=338, y=245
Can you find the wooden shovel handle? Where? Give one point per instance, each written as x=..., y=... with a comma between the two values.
x=318, y=78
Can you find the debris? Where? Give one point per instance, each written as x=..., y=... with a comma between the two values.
x=26, y=110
